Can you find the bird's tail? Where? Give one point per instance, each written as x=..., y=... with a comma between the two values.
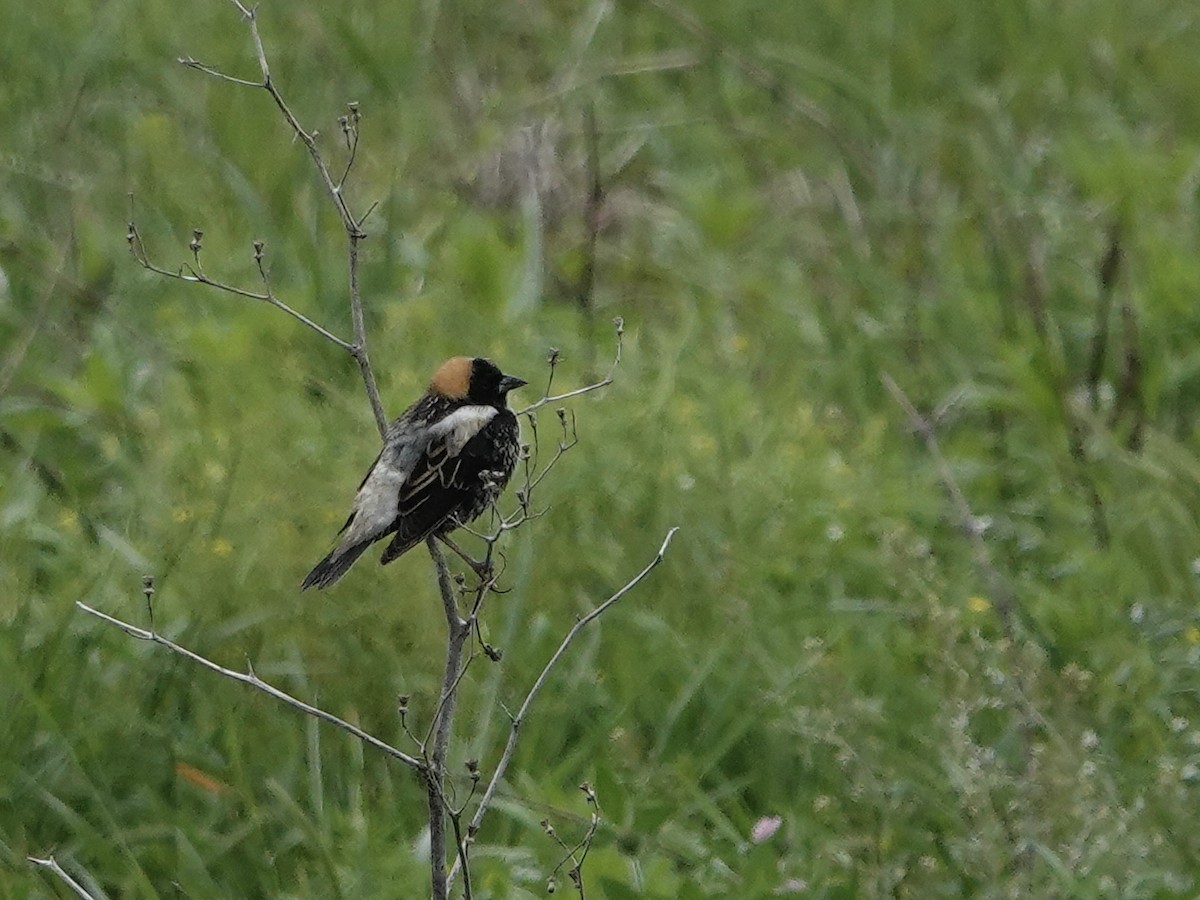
x=335, y=565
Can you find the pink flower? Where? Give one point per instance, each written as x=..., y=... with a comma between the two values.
x=764, y=828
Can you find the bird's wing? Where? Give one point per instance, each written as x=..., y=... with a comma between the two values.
x=444, y=478
x=443, y=472
x=374, y=508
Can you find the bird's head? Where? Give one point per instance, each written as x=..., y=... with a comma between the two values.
x=475, y=379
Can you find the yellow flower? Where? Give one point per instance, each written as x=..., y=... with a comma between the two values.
x=978, y=604
x=69, y=521
x=181, y=514
x=1192, y=635
x=740, y=343
x=221, y=547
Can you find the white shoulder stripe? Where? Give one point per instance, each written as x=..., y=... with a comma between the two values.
x=461, y=425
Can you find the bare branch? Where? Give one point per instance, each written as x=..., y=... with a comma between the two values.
x=519, y=718
x=352, y=225
x=191, y=63
x=457, y=632
x=619, y=325
x=359, y=350
x=250, y=14
x=52, y=864
x=254, y=681
x=197, y=276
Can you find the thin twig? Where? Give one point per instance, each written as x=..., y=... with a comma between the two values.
x=191, y=63
x=575, y=873
x=349, y=123
x=353, y=227
x=250, y=14
x=619, y=325
x=519, y=718
x=254, y=681
x=52, y=864
x=360, y=338
x=194, y=276
x=461, y=842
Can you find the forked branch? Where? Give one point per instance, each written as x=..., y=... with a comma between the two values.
x=352, y=224
x=194, y=274
x=548, y=398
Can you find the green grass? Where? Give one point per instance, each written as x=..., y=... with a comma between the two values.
x=819, y=644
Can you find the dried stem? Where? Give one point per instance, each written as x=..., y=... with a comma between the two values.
x=547, y=398
x=582, y=847
x=52, y=864
x=195, y=275
x=254, y=681
x=457, y=632
x=353, y=226
x=519, y=718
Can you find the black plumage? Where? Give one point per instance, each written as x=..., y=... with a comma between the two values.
x=443, y=462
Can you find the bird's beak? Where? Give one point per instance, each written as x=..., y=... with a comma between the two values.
x=511, y=383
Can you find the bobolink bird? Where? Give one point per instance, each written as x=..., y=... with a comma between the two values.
x=443, y=462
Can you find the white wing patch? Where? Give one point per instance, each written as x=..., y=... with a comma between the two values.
x=376, y=502
x=460, y=426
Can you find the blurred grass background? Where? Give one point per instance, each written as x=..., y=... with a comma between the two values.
x=998, y=206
